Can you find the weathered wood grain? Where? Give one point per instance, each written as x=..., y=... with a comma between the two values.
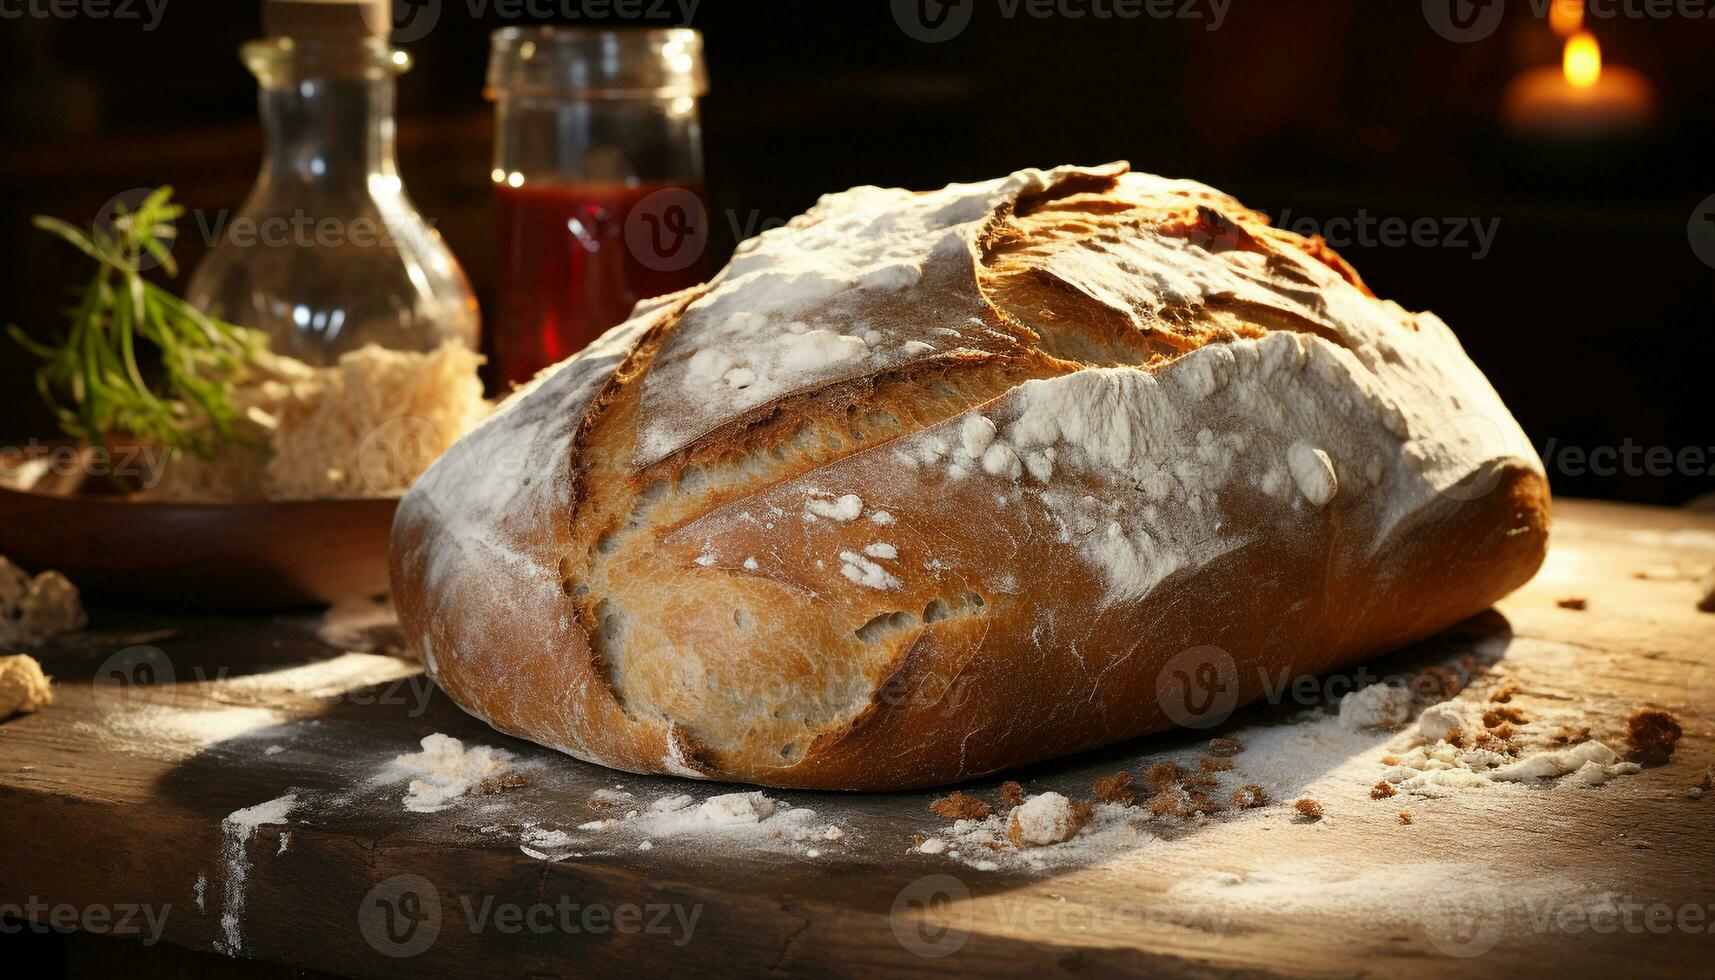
x=117, y=795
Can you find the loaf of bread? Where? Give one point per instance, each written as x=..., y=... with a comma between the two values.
x=924, y=486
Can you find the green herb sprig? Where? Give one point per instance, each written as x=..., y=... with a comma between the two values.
x=91, y=374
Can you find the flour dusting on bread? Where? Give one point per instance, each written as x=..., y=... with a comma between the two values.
x=915, y=459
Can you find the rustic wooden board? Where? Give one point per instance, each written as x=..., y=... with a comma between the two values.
x=116, y=794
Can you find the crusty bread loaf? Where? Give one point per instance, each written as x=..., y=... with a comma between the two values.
x=926, y=486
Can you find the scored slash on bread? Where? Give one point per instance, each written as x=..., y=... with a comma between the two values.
x=924, y=486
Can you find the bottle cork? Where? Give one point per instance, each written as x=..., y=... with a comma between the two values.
x=327, y=19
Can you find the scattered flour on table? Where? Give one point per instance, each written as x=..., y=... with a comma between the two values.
x=729, y=821
x=444, y=771
x=1376, y=706
x=237, y=828
x=545, y=845
x=1334, y=758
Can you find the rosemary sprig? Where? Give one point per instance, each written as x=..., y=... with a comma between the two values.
x=91, y=376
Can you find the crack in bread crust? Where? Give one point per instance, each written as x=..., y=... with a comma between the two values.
x=915, y=460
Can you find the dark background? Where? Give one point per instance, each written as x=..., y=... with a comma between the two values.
x=1591, y=313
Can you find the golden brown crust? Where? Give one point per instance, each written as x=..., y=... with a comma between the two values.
x=789, y=595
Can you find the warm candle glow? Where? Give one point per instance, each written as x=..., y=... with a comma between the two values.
x=1583, y=61
x=1566, y=17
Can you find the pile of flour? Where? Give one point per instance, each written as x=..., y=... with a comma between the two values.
x=444, y=771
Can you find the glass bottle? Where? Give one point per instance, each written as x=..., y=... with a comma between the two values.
x=598, y=174
x=327, y=253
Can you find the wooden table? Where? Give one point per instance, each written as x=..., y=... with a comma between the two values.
x=116, y=796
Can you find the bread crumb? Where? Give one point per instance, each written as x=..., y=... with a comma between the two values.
x=1439, y=681
x=1405, y=816
x=960, y=806
x=1502, y=732
x=1163, y=774
x=1174, y=801
x=1390, y=760
x=1495, y=717
x=1577, y=602
x=1249, y=797
x=1652, y=734
x=1170, y=801
x=1225, y=747
x=1382, y=790
x=506, y=781
x=1011, y=793
x=1047, y=819
x=1115, y=788
x=23, y=686
x=1200, y=780
x=1215, y=765
x=1571, y=736
x=1309, y=808
x=1504, y=691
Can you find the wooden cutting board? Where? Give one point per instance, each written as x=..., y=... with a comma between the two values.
x=117, y=794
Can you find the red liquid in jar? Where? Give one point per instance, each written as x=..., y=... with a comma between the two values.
x=575, y=257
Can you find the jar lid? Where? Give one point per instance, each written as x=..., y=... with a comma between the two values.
x=596, y=63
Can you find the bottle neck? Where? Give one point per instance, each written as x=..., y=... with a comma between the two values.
x=330, y=131
x=327, y=108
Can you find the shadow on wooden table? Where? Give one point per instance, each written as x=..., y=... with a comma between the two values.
x=321, y=725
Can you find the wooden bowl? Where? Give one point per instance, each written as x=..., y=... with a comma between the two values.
x=247, y=556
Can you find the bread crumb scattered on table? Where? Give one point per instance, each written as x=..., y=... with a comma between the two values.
x=1652, y=734
x=1163, y=774
x=1382, y=790
x=1249, y=797
x=1011, y=793
x=960, y=806
x=1225, y=747
x=1115, y=788
x=1575, y=602
x=1309, y=808
x=1495, y=717
x=23, y=686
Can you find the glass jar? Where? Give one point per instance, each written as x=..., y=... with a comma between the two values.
x=598, y=175
x=327, y=253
